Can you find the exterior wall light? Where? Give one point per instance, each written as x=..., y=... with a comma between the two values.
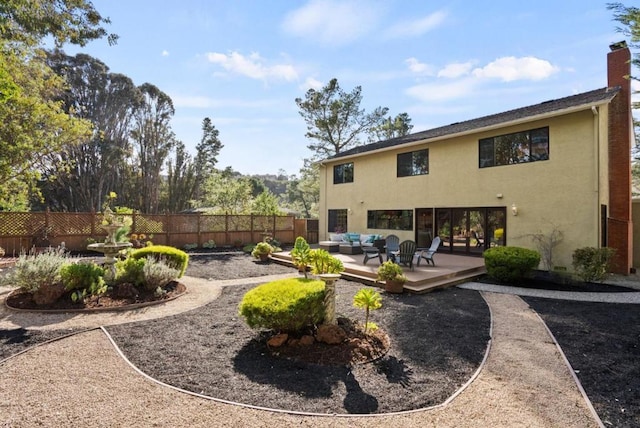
x=514, y=209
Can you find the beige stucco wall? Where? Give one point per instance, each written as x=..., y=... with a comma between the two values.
x=564, y=192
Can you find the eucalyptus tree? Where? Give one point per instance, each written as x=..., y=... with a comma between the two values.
x=153, y=141
x=181, y=180
x=82, y=175
x=335, y=121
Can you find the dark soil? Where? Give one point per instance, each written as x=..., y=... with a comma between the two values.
x=437, y=342
x=602, y=343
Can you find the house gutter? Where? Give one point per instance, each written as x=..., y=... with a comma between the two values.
x=596, y=144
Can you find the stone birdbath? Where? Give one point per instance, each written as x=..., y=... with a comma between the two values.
x=110, y=248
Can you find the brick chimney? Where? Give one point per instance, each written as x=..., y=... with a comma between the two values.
x=621, y=136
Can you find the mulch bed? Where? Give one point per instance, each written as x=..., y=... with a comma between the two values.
x=437, y=342
x=24, y=300
x=602, y=343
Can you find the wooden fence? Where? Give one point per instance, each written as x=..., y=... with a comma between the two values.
x=20, y=231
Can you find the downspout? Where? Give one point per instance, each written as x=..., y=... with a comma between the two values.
x=322, y=209
x=596, y=143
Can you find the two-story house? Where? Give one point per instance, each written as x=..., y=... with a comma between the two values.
x=561, y=166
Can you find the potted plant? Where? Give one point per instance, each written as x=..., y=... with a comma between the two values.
x=393, y=277
x=301, y=254
x=262, y=250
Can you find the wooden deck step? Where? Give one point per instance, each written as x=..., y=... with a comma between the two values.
x=421, y=280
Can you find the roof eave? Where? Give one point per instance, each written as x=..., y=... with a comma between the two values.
x=520, y=121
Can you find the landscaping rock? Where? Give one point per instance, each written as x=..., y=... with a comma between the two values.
x=125, y=291
x=330, y=334
x=307, y=340
x=48, y=294
x=278, y=340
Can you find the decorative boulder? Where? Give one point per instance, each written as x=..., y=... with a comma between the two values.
x=48, y=294
x=277, y=340
x=330, y=334
x=125, y=291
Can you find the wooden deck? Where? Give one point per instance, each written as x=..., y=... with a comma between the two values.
x=448, y=271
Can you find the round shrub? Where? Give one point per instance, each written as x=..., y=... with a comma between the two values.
x=510, y=264
x=130, y=271
x=174, y=257
x=287, y=305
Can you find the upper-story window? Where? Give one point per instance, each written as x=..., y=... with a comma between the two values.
x=343, y=173
x=519, y=147
x=413, y=163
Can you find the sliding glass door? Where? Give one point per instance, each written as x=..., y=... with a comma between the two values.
x=470, y=230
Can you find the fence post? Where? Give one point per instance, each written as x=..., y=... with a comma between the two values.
x=226, y=228
x=133, y=222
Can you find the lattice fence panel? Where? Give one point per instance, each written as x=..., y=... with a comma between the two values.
x=263, y=223
x=239, y=223
x=212, y=223
x=187, y=223
x=21, y=224
x=285, y=223
x=147, y=223
x=66, y=224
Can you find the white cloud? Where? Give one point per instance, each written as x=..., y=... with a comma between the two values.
x=415, y=66
x=441, y=92
x=454, y=70
x=165, y=53
x=253, y=66
x=332, y=22
x=311, y=83
x=510, y=68
x=416, y=27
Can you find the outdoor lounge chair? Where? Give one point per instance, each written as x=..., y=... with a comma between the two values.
x=475, y=236
x=392, y=245
x=375, y=251
x=406, y=253
x=428, y=254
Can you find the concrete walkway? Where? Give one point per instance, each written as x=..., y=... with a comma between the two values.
x=525, y=381
x=626, y=297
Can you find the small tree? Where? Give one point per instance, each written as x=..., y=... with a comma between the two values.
x=367, y=299
x=546, y=243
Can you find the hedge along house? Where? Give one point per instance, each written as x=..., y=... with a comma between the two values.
x=562, y=165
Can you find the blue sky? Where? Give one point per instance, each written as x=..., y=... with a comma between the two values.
x=243, y=63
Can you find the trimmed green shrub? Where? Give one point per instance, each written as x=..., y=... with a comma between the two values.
x=592, y=264
x=130, y=271
x=84, y=278
x=174, y=257
x=287, y=305
x=510, y=264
